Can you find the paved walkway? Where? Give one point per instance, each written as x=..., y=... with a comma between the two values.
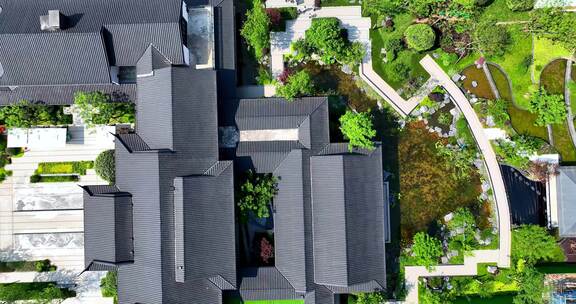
x=570, y=116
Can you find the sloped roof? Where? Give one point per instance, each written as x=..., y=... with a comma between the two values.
x=53, y=58
x=94, y=35
x=348, y=206
x=259, y=283
x=177, y=110
x=566, y=187
x=108, y=226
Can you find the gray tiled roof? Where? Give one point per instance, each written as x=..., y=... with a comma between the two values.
x=264, y=283
x=108, y=226
x=348, y=205
x=94, y=35
x=566, y=188
x=53, y=58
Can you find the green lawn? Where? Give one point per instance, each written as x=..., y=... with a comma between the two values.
x=516, y=63
x=501, y=82
x=563, y=142
x=544, y=52
x=523, y=122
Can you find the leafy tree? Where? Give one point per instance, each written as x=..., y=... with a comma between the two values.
x=255, y=29
x=105, y=166
x=421, y=8
x=426, y=249
x=554, y=24
x=357, y=127
x=25, y=114
x=326, y=39
x=550, y=108
x=520, y=5
x=37, y=292
x=517, y=151
x=534, y=244
x=369, y=298
x=296, y=85
x=420, y=37
x=109, y=285
x=399, y=71
x=256, y=194
x=427, y=296
x=96, y=108
x=531, y=286
x=490, y=38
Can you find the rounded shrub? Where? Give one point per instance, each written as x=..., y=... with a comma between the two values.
x=105, y=166
x=420, y=37
x=520, y=5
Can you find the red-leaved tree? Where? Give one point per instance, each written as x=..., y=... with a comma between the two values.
x=274, y=15
x=266, y=250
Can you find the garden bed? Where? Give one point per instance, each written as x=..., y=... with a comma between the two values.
x=26, y=266
x=553, y=77
x=36, y=291
x=428, y=189
x=501, y=81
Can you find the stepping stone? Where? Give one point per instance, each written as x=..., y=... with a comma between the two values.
x=474, y=83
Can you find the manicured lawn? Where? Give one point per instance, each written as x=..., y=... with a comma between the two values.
x=428, y=188
x=544, y=52
x=498, y=10
x=501, y=82
x=408, y=57
x=523, y=122
x=553, y=77
x=516, y=63
x=563, y=143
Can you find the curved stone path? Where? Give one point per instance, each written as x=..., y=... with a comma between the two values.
x=570, y=116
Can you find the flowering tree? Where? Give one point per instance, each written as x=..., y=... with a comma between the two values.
x=266, y=250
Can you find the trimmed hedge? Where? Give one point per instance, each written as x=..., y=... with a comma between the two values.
x=78, y=167
x=53, y=178
x=105, y=166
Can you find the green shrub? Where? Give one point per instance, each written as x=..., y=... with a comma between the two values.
x=518, y=150
x=25, y=114
x=255, y=29
x=550, y=108
x=44, y=266
x=358, y=129
x=520, y=5
x=297, y=85
x=15, y=152
x=96, y=108
x=109, y=285
x=38, y=292
x=78, y=167
x=256, y=193
x=498, y=109
x=369, y=298
x=426, y=250
x=420, y=37
x=534, y=244
x=105, y=166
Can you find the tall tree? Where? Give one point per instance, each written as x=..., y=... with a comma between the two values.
x=256, y=28
x=357, y=127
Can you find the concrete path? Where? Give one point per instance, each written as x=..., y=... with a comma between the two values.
x=570, y=116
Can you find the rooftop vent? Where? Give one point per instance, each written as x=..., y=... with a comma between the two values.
x=51, y=22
